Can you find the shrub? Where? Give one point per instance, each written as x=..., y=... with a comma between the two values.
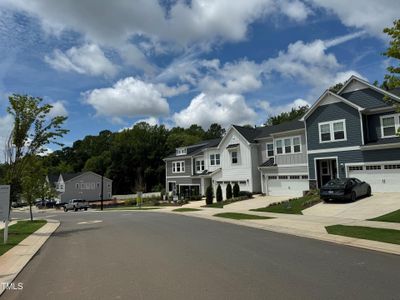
x=245, y=194
x=219, y=193
x=228, y=191
x=209, y=195
x=236, y=190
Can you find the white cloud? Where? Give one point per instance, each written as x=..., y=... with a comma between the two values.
x=113, y=23
x=224, y=109
x=273, y=110
x=6, y=125
x=295, y=10
x=134, y=57
x=170, y=91
x=58, y=109
x=310, y=63
x=370, y=15
x=128, y=97
x=88, y=59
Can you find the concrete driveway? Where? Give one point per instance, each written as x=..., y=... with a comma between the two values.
x=366, y=208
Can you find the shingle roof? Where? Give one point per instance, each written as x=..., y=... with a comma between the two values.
x=395, y=91
x=197, y=148
x=233, y=146
x=69, y=176
x=366, y=98
x=268, y=163
x=266, y=131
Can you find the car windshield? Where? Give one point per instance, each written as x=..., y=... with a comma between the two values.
x=336, y=182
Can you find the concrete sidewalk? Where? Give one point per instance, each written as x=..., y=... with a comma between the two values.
x=300, y=225
x=14, y=260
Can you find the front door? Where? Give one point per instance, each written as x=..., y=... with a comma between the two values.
x=327, y=170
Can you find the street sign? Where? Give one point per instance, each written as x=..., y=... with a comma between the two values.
x=4, y=202
x=5, y=208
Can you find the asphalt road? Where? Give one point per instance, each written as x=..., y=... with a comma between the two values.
x=150, y=255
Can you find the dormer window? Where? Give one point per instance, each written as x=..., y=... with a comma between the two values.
x=181, y=151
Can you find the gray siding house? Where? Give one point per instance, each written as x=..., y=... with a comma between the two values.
x=353, y=134
x=84, y=185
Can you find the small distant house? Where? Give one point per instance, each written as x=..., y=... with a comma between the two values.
x=82, y=185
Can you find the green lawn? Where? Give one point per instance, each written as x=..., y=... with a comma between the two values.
x=240, y=216
x=292, y=206
x=368, y=233
x=215, y=205
x=394, y=216
x=18, y=232
x=186, y=209
x=131, y=208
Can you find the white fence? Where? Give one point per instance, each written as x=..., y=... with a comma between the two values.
x=133, y=196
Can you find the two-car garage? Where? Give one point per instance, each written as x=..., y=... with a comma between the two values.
x=383, y=177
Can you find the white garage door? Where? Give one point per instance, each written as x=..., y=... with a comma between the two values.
x=287, y=185
x=381, y=177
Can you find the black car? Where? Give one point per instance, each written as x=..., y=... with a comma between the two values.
x=345, y=189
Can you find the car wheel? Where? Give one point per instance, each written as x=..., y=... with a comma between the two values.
x=369, y=193
x=76, y=209
x=85, y=208
x=65, y=209
x=353, y=196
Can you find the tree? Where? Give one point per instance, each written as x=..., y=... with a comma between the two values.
x=236, y=190
x=219, y=193
x=294, y=114
x=209, y=195
x=214, y=132
x=392, y=80
x=228, y=191
x=336, y=88
x=33, y=181
x=33, y=129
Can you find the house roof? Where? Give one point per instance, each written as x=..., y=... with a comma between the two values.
x=196, y=148
x=268, y=163
x=233, y=146
x=366, y=98
x=69, y=176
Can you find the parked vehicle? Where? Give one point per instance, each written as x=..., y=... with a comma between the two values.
x=76, y=204
x=345, y=189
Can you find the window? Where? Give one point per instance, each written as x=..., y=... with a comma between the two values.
x=272, y=177
x=296, y=145
x=356, y=168
x=371, y=168
x=77, y=186
x=390, y=125
x=304, y=177
x=270, y=150
x=181, y=151
x=234, y=157
x=288, y=145
x=92, y=185
x=199, y=166
x=332, y=131
x=279, y=148
x=295, y=177
x=324, y=168
x=283, y=177
x=390, y=167
x=178, y=167
x=98, y=184
x=214, y=160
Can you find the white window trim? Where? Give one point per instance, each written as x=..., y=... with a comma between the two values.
x=215, y=159
x=201, y=165
x=396, y=124
x=182, y=166
x=181, y=151
x=237, y=158
x=266, y=149
x=330, y=123
x=283, y=146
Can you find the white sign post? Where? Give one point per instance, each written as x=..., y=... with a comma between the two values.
x=5, y=208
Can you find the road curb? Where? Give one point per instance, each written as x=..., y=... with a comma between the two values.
x=14, y=261
x=337, y=239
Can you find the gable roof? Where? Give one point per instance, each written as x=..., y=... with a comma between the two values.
x=378, y=89
x=69, y=176
x=196, y=148
x=268, y=131
x=322, y=97
x=366, y=98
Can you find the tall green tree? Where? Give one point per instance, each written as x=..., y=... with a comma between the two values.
x=33, y=182
x=392, y=80
x=33, y=129
x=294, y=114
x=215, y=131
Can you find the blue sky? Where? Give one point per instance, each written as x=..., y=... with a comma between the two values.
x=109, y=64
